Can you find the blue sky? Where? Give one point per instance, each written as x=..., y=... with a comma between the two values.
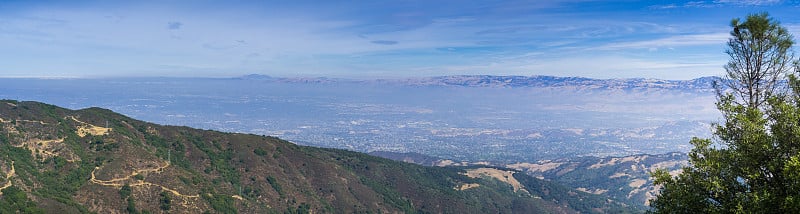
x=373, y=39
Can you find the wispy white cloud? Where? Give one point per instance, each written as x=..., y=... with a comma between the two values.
x=749, y=2
x=719, y=3
x=520, y=37
x=690, y=4
x=672, y=41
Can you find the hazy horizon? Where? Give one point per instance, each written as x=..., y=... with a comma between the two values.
x=356, y=78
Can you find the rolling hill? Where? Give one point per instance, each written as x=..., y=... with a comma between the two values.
x=624, y=179
x=56, y=160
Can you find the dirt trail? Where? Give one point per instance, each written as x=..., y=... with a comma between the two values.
x=27, y=121
x=33, y=121
x=118, y=182
x=47, y=149
x=75, y=119
x=8, y=178
x=113, y=182
x=144, y=183
x=189, y=202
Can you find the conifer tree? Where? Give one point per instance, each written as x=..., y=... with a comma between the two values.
x=752, y=164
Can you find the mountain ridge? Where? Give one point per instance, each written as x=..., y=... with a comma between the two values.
x=95, y=160
x=536, y=81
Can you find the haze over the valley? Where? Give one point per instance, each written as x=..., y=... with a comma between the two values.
x=463, y=118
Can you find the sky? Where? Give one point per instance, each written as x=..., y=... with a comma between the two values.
x=373, y=39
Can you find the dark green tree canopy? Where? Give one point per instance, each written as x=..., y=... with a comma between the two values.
x=752, y=165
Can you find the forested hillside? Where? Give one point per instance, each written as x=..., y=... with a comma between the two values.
x=94, y=160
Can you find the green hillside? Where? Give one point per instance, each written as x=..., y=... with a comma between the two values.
x=623, y=179
x=55, y=160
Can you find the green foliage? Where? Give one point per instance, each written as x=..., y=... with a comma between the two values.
x=580, y=201
x=131, y=206
x=176, y=154
x=59, y=185
x=220, y=203
x=49, y=110
x=59, y=162
x=752, y=164
x=165, y=201
x=99, y=160
x=154, y=140
x=125, y=191
x=220, y=160
x=260, y=152
x=275, y=185
x=15, y=200
x=390, y=195
x=749, y=170
x=62, y=186
x=251, y=193
x=174, y=151
x=99, y=144
x=185, y=180
x=303, y=208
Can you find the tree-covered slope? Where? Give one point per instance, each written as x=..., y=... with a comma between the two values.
x=55, y=160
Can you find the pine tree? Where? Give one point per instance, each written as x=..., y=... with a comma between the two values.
x=752, y=164
x=760, y=55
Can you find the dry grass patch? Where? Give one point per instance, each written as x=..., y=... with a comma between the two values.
x=467, y=186
x=533, y=167
x=87, y=129
x=504, y=176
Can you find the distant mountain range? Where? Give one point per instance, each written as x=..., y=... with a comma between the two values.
x=703, y=83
